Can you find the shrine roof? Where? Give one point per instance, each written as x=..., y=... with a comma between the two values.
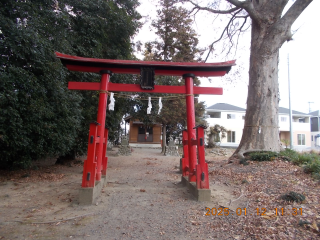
x=82, y=64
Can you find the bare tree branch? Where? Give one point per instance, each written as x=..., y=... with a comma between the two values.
x=294, y=11
x=231, y=33
x=248, y=6
x=196, y=6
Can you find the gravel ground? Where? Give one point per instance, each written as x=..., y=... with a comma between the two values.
x=144, y=199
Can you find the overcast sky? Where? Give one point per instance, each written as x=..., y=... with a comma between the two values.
x=304, y=52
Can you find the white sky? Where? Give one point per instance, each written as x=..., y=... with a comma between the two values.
x=304, y=52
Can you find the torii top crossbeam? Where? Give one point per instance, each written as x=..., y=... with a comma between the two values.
x=81, y=64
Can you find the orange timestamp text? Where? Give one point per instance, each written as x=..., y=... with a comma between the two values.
x=257, y=211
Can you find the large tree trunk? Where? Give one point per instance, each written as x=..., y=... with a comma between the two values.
x=270, y=29
x=261, y=129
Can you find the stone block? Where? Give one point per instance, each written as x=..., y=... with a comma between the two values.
x=202, y=195
x=88, y=196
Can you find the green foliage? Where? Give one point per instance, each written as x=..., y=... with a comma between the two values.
x=312, y=167
x=309, y=161
x=263, y=156
x=176, y=42
x=214, y=135
x=39, y=116
x=290, y=154
x=293, y=197
x=244, y=161
x=286, y=142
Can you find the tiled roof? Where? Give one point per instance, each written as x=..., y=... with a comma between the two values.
x=225, y=107
x=286, y=111
x=315, y=113
x=229, y=107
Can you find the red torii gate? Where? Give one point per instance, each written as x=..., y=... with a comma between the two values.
x=96, y=164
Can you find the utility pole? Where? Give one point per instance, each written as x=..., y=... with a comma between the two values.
x=290, y=109
x=310, y=107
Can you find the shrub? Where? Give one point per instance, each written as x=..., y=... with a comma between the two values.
x=263, y=156
x=293, y=197
x=290, y=154
x=312, y=167
x=244, y=161
x=309, y=161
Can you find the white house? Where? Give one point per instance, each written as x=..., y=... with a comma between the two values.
x=232, y=118
x=315, y=128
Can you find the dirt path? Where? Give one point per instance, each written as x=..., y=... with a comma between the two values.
x=144, y=199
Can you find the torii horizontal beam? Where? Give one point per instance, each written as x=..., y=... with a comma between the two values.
x=119, y=87
x=95, y=65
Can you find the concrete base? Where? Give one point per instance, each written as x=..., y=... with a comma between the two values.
x=88, y=196
x=145, y=145
x=202, y=195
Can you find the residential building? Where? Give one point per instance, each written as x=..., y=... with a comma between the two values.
x=232, y=118
x=300, y=128
x=315, y=128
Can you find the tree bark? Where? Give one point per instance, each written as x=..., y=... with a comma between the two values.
x=261, y=129
x=164, y=138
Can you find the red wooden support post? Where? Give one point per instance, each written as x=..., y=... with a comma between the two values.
x=185, y=159
x=202, y=166
x=104, y=153
x=90, y=165
x=190, y=125
x=103, y=97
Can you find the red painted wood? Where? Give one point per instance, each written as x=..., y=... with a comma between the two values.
x=194, y=142
x=82, y=64
x=104, y=153
x=190, y=125
x=89, y=167
x=118, y=87
x=202, y=184
x=185, y=159
x=208, y=90
x=143, y=63
x=202, y=166
x=201, y=149
x=84, y=85
x=156, y=72
x=101, y=118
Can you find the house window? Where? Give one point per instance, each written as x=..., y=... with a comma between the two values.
x=302, y=120
x=283, y=119
x=215, y=114
x=231, y=136
x=231, y=116
x=312, y=138
x=314, y=124
x=301, y=139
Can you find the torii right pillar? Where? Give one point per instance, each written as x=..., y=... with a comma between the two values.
x=197, y=171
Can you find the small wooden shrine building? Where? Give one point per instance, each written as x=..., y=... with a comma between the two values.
x=143, y=136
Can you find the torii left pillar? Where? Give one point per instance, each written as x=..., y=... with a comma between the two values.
x=95, y=166
x=191, y=123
